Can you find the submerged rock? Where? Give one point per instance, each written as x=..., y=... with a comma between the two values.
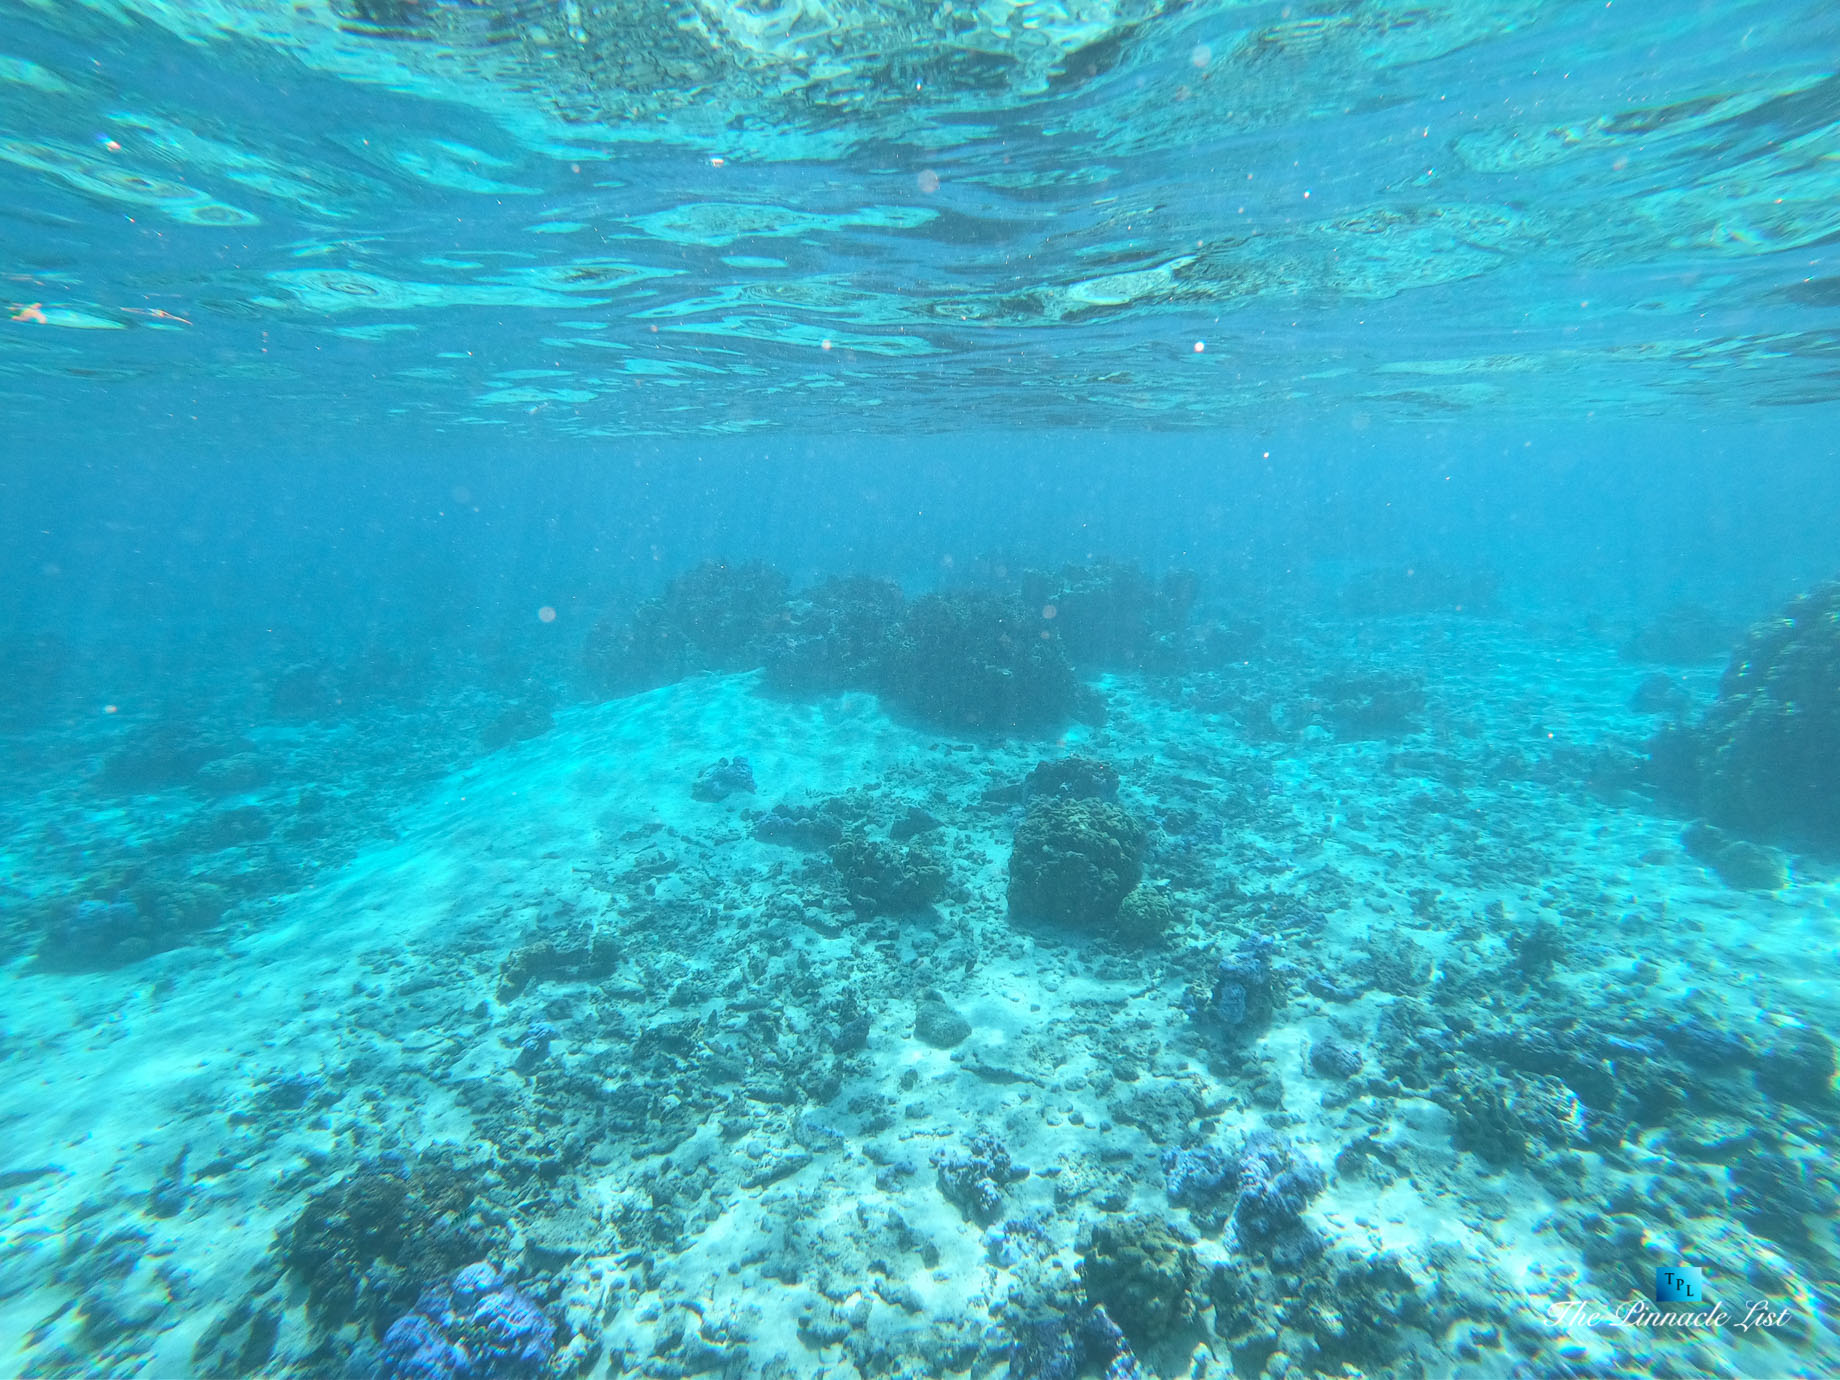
x=1739, y=863
x=721, y=779
x=939, y=1025
x=882, y=878
x=980, y=663
x=1073, y=862
x=1768, y=759
x=1146, y=1277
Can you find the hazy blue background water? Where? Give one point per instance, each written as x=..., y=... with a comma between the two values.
x=400, y=319
x=276, y=546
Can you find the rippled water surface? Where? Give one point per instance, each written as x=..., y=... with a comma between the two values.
x=628, y=217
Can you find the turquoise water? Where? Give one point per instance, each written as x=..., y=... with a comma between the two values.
x=862, y=690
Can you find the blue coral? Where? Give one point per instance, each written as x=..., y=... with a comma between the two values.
x=1275, y=1186
x=1198, y=1174
x=727, y=777
x=415, y=1349
x=507, y=1327
x=476, y=1326
x=1247, y=988
x=1333, y=1059
x=975, y=1182
x=1062, y=1345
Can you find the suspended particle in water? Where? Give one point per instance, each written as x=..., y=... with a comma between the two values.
x=546, y=614
x=1201, y=55
x=928, y=181
x=1200, y=346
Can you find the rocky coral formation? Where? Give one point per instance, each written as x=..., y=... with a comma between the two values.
x=363, y=1247
x=1073, y=862
x=1112, y=616
x=836, y=637
x=980, y=663
x=1339, y=1313
x=573, y=952
x=939, y=1025
x=1275, y=1186
x=1146, y=1277
x=1145, y=915
x=716, y=617
x=975, y=1180
x=1070, y=778
x=723, y=778
x=1248, y=988
x=1068, y=1343
x=809, y=828
x=883, y=878
x=143, y=919
x=1766, y=755
x=476, y=1326
x=1332, y=1058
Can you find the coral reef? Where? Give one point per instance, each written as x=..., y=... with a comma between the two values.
x=1248, y=988
x=716, y=617
x=1110, y=615
x=1070, y=1342
x=1198, y=1174
x=477, y=1326
x=979, y=663
x=723, y=778
x=1145, y=915
x=939, y=1025
x=570, y=952
x=806, y=827
x=975, y=1180
x=836, y=637
x=1073, y=862
x=1070, y=778
x=1768, y=751
x=882, y=878
x=1339, y=1313
x=363, y=1246
x=1275, y=1186
x=1333, y=1059
x=145, y=918
x=1145, y=1276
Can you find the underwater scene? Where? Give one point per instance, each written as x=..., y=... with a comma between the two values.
x=1007, y=689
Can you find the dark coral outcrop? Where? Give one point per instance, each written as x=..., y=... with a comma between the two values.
x=1112, y=616
x=1145, y=1276
x=836, y=637
x=980, y=663
x=364, y=1246
x=1073, y=862
x=717, y=617
x=1769, y=749
x=882, y=878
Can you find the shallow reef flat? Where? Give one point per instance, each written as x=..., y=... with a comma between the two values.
x=727, y=1028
